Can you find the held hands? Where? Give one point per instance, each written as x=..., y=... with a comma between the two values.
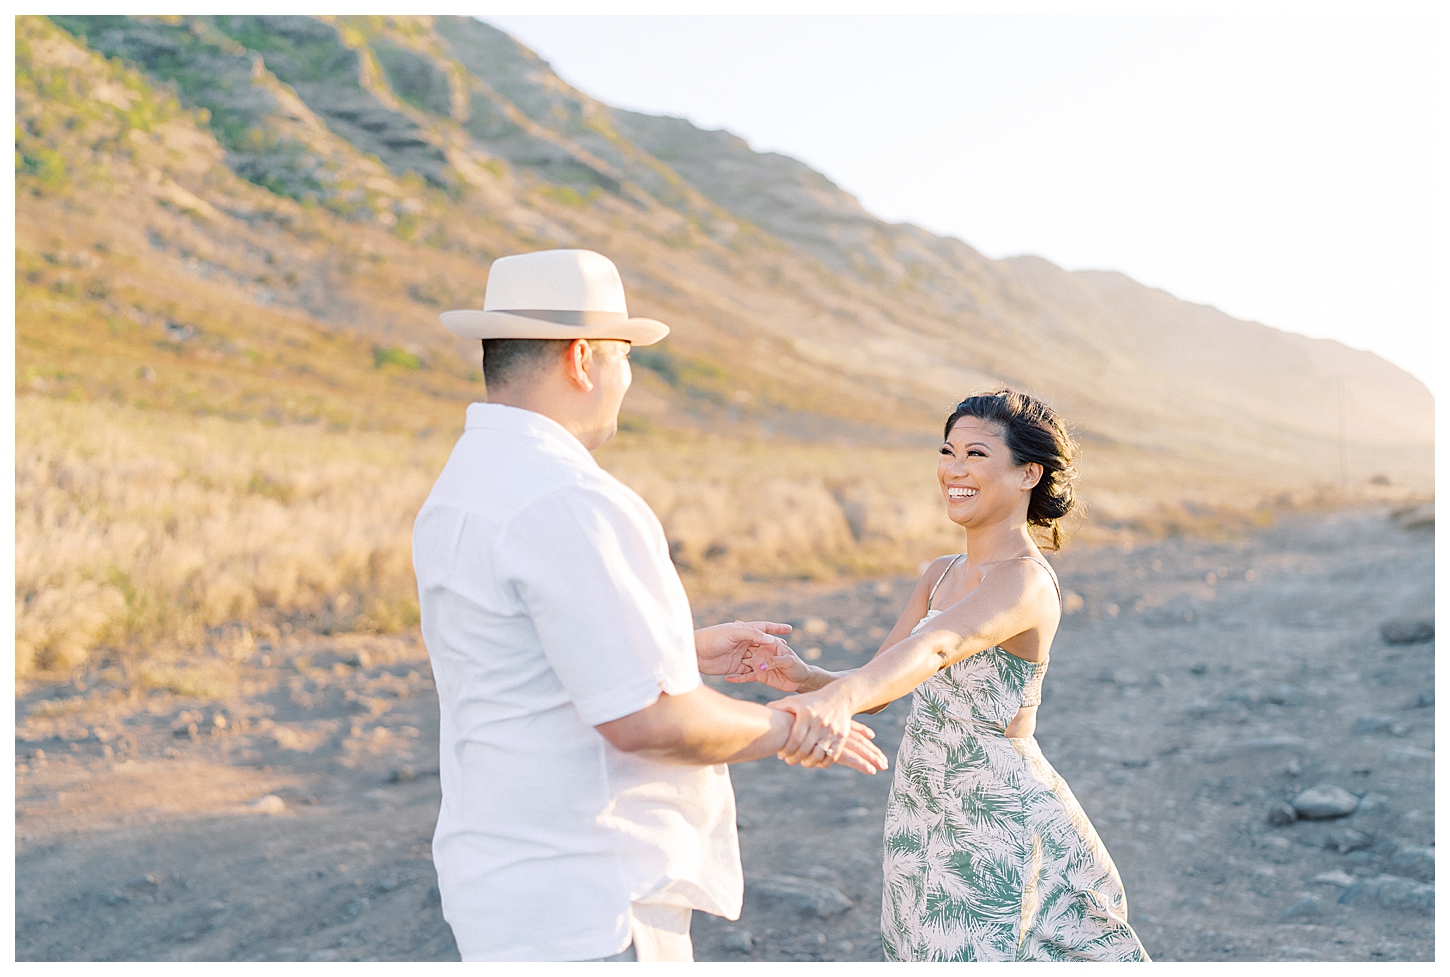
x=734, y=649
x=753, y=652
x=822, y=732
x=783, y=671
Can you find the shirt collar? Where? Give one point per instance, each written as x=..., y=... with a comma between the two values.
x=516, y=420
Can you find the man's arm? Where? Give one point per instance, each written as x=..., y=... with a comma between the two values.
x=703, y=727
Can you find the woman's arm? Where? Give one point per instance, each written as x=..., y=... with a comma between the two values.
x=916, y=607
x=1015, y=598
x=786, y=672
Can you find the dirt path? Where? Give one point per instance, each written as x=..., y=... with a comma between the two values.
x=1196, y=689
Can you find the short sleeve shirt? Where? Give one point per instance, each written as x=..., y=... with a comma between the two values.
x=549, y=606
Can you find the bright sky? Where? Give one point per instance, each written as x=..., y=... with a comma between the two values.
x=1285, y=169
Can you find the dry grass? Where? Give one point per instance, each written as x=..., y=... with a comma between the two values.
x=138, y=529
x=145, y=533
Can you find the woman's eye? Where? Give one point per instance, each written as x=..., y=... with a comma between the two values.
x=946, y=451
x=974, y=451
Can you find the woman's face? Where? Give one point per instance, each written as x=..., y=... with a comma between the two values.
x=978, y=478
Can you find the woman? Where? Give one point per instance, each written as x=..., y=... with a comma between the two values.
x=988, y=855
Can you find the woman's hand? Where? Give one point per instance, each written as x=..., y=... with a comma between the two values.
x=822, y=726
x=859, y=753
x=784, y=671
x=734, y=649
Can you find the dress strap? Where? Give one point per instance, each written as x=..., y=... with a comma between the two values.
x=1050, y=572
x=943, y=576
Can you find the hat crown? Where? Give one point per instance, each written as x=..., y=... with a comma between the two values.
x=562, y=280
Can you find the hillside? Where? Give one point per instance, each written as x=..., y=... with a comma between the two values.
x=236, y=232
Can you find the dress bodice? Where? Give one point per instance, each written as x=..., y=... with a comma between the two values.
x=984, y=690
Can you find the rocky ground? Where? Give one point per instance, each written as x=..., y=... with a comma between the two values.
x=1199, y=693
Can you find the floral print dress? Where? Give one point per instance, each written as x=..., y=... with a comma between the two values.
x=988, y=856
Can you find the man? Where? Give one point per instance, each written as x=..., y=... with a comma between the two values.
x=587, y=809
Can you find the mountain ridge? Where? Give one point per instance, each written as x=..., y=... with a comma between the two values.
x=453, y=136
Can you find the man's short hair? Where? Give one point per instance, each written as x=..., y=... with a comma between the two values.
x=507, y=360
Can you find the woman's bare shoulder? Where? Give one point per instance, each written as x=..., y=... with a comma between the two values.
x=935, y=569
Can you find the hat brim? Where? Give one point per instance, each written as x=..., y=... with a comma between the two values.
x=478, y=324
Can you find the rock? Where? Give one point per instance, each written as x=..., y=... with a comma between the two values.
x=1379, y=724
x=1425, y=699
x=1305, y=906
x=1199, y=669
x=815, y=625
x=853, y=814
x=432, y=897
x=1393, y=892
x=1408, y=754
x=360, y=659
x=1407, y=631
x=1201, y=708
x=802, y=895
x=1373, y=803
x=1337, y=877
x=270, y=804
x=1285, y=695
x=1118, y=676
x=403, y=775
x=1324, y=802
x=1347, y=840
x=113, y=897
x=741, y=941
x=1282, y=814
x=1413, y=862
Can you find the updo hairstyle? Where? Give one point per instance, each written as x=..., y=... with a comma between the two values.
x=1034, y=433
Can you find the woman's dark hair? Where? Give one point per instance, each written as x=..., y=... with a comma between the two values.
x=1034, y=433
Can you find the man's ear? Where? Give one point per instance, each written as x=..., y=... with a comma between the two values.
x=578, y=357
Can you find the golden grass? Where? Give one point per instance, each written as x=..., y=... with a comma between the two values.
x=137, y=528
x=141, y=531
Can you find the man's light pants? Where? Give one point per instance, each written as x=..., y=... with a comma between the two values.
x=659, y=934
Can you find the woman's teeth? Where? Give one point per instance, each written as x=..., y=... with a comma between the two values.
x=961, y=493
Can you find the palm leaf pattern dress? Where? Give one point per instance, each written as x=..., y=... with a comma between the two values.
x=988, y=856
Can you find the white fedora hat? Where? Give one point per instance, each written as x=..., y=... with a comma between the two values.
x=564, y=294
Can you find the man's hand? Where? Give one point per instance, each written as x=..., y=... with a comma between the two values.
x=734, y=649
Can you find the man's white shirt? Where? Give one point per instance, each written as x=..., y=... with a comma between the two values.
x=549, y=605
